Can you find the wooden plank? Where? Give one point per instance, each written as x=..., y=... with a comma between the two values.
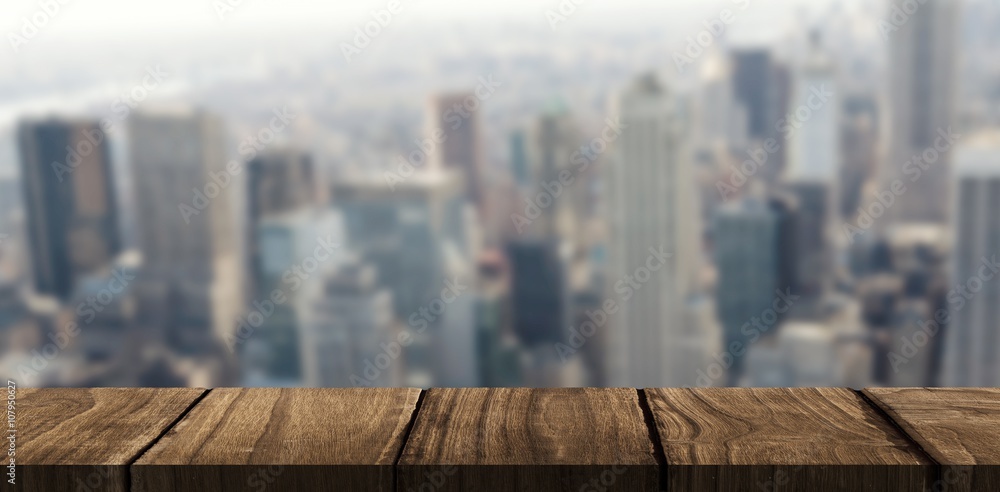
x=958, y=427
x=782, y=439
x=84, y=439
x=282, y=439
x=491, y=439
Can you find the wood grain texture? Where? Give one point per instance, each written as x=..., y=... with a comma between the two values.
x=84, y=439
x=282, y=439
x=776, y=439
x=958, y=427
x=523, y=439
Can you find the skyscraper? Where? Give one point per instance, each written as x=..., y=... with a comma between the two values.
x=859, y=143
x=814, y=151
x=539, y=295
x=753, y=83
x=723, y=121
x=972, y=344
x=650, y=199
x=419, y=237
x=188, y=233
x=69, y=196
x=287, y=241
x=747, y=254
x=349, y=316
x=278, y=182
x=461, y=148
x=812, y=237
x=922, y=66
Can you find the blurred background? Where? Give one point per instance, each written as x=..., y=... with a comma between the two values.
x=519, y=193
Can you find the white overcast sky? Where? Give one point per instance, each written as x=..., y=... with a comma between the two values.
x=151, y=16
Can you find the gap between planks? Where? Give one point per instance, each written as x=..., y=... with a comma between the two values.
x=128, y=466
x=648, y=419
x=937, y=467
x=654, y=435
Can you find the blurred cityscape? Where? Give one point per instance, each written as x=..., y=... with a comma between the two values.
x=571, y=193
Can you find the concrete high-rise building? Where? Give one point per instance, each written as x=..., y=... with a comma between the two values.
x=554, y=140
x=349, y=316
x=762, y=88
x=753, y=82
x=420, y=237
x=814, y=148
x=520, y=168
x=311, y=239
x=813, y=255
x=722, y=120
x=807, y=354
x=814, y=165
x=858, y=145
x=903, y=301
x=748, y=256
x=539, y=292
x=455, y=116
x=651, y=208
x=278, y=182
x=68, y=190
x=972, y=344
x=12, y=247
x=188, y=234
x=921, y=73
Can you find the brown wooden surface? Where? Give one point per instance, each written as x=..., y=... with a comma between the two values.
x=958, y=427
x=508, y=439
x=782, y=439
x=529, y=439
x=84, y=439
x=282, y=439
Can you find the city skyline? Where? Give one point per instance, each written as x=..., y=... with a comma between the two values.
x=644, y=209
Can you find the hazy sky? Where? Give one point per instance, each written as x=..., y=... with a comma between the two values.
x=93, y=16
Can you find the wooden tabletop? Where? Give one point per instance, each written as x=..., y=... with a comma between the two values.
x=493, y=439
x=826, y=436
x=295, y=439
x=68, y=438
x=956, y=427
x=520, y=438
